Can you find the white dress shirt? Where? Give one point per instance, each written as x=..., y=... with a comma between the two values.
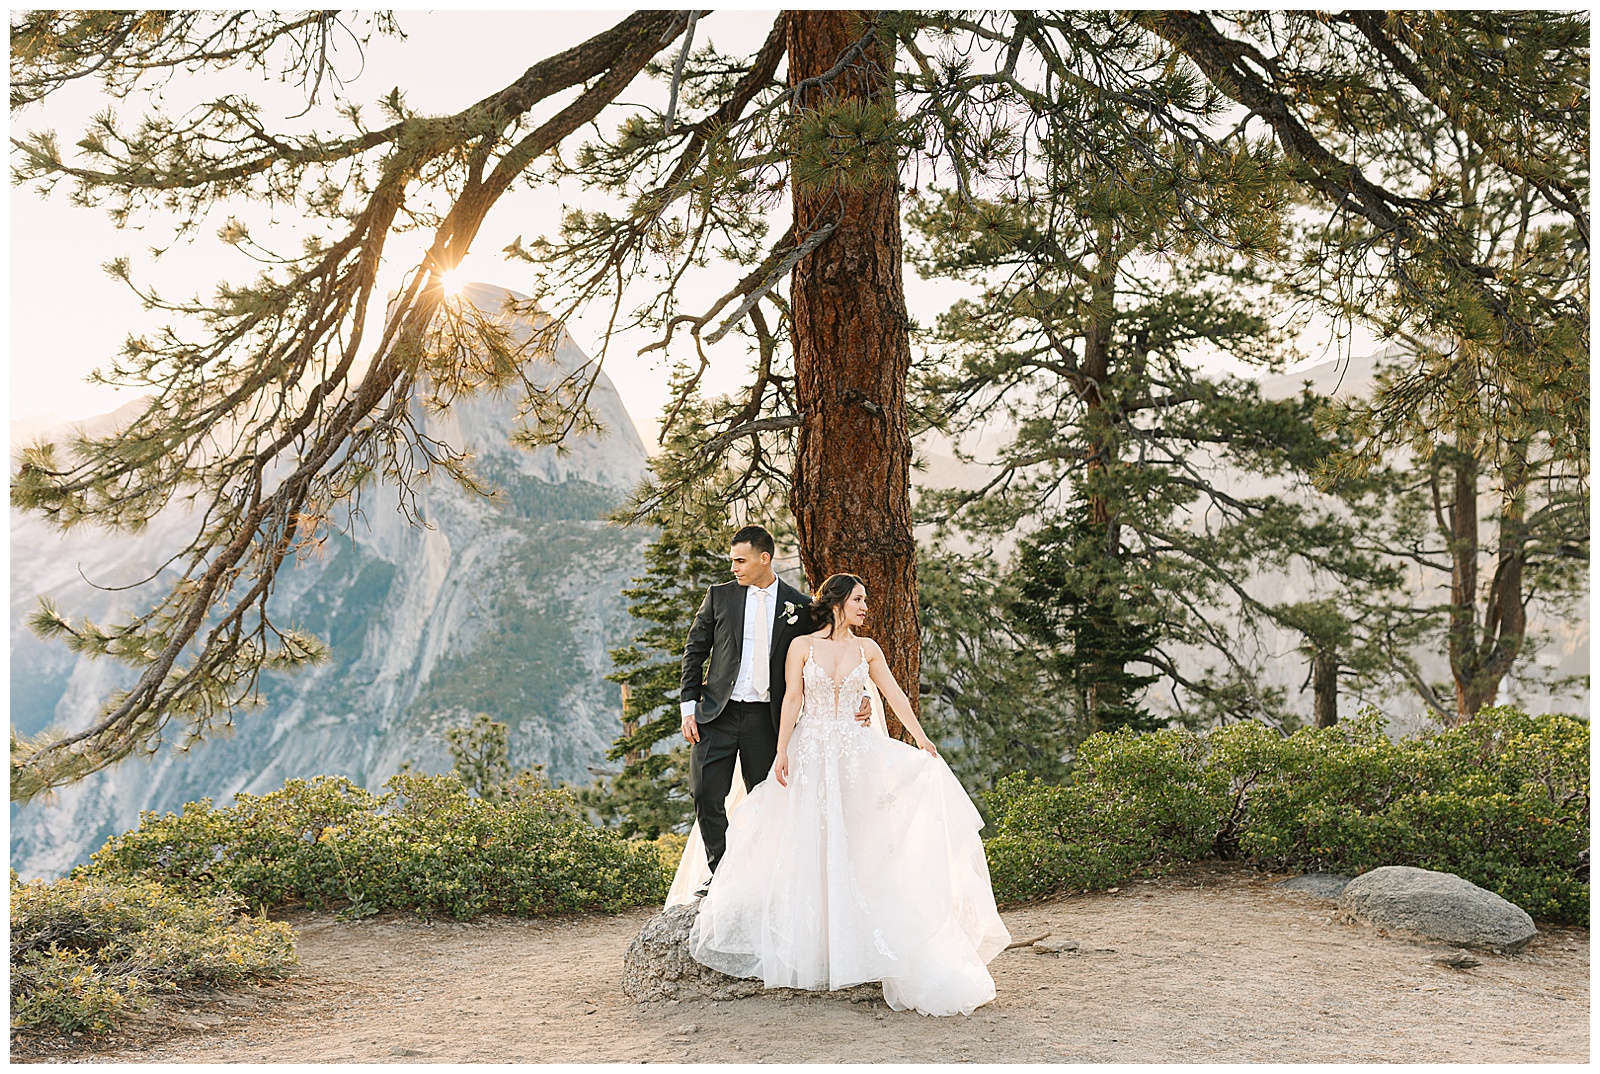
x=744, y=685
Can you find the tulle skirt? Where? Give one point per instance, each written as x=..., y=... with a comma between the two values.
x=867, y=867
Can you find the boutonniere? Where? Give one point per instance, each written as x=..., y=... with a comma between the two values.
x=791, y=614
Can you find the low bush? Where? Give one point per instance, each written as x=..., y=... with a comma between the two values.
x=86, y=949
x=670, y=846
x=425, y=844
x=1502, y=801
x=1136, y=800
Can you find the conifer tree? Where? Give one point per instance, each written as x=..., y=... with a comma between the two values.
x=1098, y=282
x=1336, y=95
x=1357, y=101
x=991, y=689
x=480, y=752
x=695, y=511
x=1094, y=632
x=1497, y=511
x=650, y=795
x=273, y=362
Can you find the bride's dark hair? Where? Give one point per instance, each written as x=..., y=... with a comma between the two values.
x=831, y=594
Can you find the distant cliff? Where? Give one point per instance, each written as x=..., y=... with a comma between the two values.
x=509, y=609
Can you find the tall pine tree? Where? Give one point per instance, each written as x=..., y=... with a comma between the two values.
x=650, y=795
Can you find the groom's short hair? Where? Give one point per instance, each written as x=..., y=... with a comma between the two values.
x=757, y=538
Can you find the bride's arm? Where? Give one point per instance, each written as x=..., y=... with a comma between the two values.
x=878, y=669
x=794, y=663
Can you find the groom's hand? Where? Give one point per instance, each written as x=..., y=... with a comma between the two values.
x=691, y=729
x=864, y=713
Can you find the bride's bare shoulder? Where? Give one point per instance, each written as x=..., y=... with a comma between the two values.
x=874, y=651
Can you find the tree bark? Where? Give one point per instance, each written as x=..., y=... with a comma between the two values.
x=1481, y=655
x=1096, y=374
x=1325, y=688
x=851, y=494
x=1096, y=368
x=1463, y=640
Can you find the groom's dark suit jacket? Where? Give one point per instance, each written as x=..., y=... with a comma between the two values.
x=718, y=632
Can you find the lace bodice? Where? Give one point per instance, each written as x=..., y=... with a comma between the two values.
x=827, y=699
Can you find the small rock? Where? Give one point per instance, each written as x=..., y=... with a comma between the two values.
x=1053, y=947
x=1458, y=960
x=1113, y=891
x=400, y=1049
x=1317, y=885
x=690, y=1028
x=1435, y=906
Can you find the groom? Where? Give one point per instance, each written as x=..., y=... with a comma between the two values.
x=745, y=627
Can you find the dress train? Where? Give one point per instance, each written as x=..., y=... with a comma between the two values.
x=867, y=867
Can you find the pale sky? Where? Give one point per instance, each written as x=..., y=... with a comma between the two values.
x=68, y=317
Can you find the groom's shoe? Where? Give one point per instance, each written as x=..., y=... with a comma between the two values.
x=701, y=892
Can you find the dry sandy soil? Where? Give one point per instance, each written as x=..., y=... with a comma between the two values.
x=1207, y=964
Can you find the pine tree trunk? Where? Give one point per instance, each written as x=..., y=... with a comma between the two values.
x=629, y=729
x=1325, y=688
x=1463, y=641
x=1497, y=641
x=1096, y=373
x=851, y=494
x=1096, y=367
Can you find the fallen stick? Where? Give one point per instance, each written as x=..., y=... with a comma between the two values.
x=1028, y=942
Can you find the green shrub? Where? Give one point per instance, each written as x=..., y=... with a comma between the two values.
x=670, y=845
x=1136, y=800
x=86, y=949
x=1502, y=801
x=426, y=844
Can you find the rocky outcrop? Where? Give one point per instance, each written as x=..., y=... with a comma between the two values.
x=1435, y=906
x=508, y=607
x=657, y=964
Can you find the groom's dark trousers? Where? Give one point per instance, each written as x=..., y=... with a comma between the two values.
x=744, y=728
x=728, y=728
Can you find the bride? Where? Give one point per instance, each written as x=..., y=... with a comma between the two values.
x=860, y=859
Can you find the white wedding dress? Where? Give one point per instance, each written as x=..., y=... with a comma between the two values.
x=867, y=867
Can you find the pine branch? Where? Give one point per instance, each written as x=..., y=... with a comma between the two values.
x=301, y=448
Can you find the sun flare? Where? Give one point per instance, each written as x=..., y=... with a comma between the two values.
x=452, y=281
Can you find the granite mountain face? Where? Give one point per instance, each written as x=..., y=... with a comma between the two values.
x=506, y=608
x=509, y=609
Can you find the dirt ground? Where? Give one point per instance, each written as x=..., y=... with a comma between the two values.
x=1208, y=964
